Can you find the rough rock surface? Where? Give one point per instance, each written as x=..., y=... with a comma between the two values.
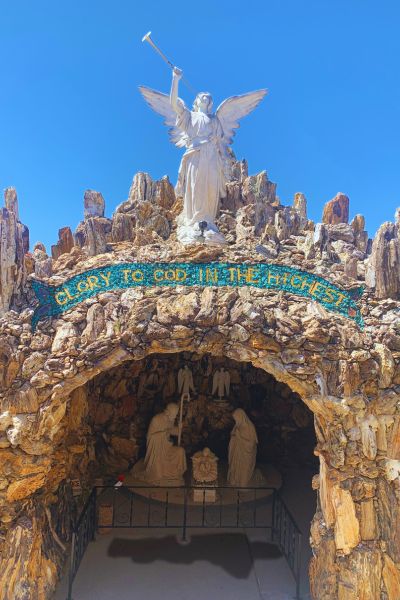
x=146, y=215
x=384, y=262
x=11, y=201
x=336, y=210
x=347, y=377
x=65, y=243
x=92, y=234
x=14, y=244
x=43, y=264
x=93, y=203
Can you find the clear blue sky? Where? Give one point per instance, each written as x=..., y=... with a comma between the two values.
x=71, y=117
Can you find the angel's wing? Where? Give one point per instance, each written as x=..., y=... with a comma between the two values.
x=160, y=103
x=234, y=108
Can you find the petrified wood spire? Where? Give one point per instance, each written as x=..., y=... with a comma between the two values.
x=385, y=261
x=14, y=243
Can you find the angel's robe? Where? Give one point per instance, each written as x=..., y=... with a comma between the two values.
x=164, y=463
x=206, y=166
x=202, y=174
x=242, y=450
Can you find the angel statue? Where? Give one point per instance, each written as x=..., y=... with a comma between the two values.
x=207, y=163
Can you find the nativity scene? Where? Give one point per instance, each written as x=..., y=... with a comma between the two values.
x=223, y=425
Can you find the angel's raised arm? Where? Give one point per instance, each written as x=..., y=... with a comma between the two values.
x=173, y=97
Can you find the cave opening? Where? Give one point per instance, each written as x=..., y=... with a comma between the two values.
x=123, y=400
x=116, y=407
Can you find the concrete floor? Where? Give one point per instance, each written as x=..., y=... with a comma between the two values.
x=232, y=564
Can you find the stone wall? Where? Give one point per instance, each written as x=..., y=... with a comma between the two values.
x=349, y=379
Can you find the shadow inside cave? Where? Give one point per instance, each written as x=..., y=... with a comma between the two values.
x=233, y=552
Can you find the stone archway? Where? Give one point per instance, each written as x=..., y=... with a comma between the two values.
x=326, y=362
x=349, y=378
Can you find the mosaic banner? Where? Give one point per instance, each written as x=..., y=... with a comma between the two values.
x=54, y=300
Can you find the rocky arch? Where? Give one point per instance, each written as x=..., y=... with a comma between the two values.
x=349, y=378
x=323, y=362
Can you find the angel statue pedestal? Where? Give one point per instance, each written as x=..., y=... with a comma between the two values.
x=205, y=476
x=206, y=164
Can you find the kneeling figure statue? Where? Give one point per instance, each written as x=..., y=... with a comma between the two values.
x=164, y=462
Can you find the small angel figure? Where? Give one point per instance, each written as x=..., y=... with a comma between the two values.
x=221, y=383
x=185, y=381
x=206, y=165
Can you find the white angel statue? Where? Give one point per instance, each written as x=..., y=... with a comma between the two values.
x=185, y=381
x=221, y=383
x=206, y=165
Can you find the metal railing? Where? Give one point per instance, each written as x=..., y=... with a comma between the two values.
x=186, y=507
x=288, y=537
x=83, y=532
x=183, y=508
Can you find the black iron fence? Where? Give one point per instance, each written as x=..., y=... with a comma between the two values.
x=183, y=508
x=287, y=536
x=83, y=532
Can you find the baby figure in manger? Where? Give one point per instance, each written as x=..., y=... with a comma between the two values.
x=205, y=468
x=205, y=475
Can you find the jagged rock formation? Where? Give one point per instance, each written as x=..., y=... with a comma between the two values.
x=251, y=211
x=14, y=244
x=384, y=263
x=93, y=203
x=349, y=379
x=43, y=264
x=147, y=212
x=65, y=243
x=336, y=210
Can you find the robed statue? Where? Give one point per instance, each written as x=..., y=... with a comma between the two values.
x=242, y=451
x=207, y=163
x=164, y=462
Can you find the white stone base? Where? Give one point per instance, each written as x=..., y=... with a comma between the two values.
x=204, y=495
x=191, y=234
x=269, y=477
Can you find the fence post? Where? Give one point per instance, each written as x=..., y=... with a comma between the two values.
x=71, y=566
x=273, y=515
x=298, y=578
x=184, y=515
x=94, y=508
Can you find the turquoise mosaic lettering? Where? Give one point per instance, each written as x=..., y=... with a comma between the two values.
x=54, y=300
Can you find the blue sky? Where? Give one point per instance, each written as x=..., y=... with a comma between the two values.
x=71, y=117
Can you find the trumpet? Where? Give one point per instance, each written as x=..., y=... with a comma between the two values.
x=147, y=38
